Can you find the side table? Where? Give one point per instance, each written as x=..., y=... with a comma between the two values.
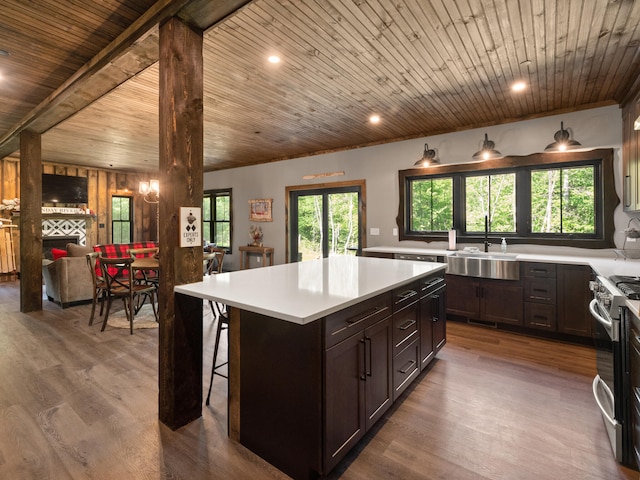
x=245, y=251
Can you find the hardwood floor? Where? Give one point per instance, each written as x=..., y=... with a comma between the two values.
x=76, y=403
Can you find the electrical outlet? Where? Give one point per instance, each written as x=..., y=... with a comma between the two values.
x=259, y=259
x=374, y=231
x=395, y=232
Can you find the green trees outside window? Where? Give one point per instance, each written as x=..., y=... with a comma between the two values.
x=543, y=198
x=121, y=219
x=493, y=196
x=563, y=200
x=431, y=204
x=216, y=217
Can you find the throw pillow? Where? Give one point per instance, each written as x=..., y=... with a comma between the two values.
x=78, y=250
x=58, y=253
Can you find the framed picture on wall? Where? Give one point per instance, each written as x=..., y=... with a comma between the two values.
x=260, y=210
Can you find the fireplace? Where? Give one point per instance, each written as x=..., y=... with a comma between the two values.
x=56, y=241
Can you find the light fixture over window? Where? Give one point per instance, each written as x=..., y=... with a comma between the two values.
x=488, y=151
x=563, y=141
x=428, y=158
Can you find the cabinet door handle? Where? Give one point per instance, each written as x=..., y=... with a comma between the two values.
x=434, y=319
x=407, y=366
x=533, y=297
x=368, y=367
x=406, y=325
x=363, y=375
x=406, y=294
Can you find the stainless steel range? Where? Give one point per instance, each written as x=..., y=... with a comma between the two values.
x=611, y=385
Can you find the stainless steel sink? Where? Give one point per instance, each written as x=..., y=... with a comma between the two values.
x=503, y=266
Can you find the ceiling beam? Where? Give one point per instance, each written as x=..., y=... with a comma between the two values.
x=130, y=53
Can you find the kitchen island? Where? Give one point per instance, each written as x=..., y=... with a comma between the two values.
x=319, y=350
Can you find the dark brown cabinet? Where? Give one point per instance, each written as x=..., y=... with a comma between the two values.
x=406, y=364
x=358, y=388
x=310, y=392
x=498, y=301
x=573, y=300
x=540, y=295
x=631, y=156
x=433, y=305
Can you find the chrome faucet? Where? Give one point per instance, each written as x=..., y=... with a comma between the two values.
x=486, y=233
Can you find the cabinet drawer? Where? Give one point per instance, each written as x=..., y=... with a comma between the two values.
x=540, y=315
x=533, y=269
x=351, y=320
x=405, y=295
x=405, y=327
x=405, y=368
x=541, y=290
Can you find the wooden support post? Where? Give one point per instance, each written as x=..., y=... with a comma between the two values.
x=30, y=221
x=181, y=185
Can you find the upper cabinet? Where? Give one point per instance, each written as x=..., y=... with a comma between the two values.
x=631, y=156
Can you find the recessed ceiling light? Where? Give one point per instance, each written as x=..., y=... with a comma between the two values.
x=518, y=86
x=274, y=59
x=374, y=118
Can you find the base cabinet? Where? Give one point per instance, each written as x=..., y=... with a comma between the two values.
x=549, y=297
x=310, y=392
x=433, y=330
x=498, y=301
x=573, y=315
x=358, y=388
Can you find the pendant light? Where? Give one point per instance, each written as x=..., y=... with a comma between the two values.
x=428, y=158
x=488, y=151
x=562, y=141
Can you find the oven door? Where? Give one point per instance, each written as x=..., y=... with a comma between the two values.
x=606, y=384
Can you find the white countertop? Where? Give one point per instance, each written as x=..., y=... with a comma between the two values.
x=306, y=291
x=605, y=265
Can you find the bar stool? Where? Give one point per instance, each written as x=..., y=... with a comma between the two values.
x=222, y=315
x=212, y=264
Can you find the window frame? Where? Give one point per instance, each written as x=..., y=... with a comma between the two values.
x=213, y=194
x=129, y=221
x=605, y=203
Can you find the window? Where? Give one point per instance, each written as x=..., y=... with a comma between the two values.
x=493, y=196
x=431, y=204
x=216, y=217
x=546, y=198
x=563, y=200
x=121, y=219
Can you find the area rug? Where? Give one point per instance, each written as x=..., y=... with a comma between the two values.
x=143, y=319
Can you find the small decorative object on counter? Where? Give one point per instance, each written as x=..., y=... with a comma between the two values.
x=503, y=245
x=255, y=232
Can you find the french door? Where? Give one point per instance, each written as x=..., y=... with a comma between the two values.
x=325, y=221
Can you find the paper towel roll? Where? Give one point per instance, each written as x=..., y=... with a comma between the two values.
x=452, y=240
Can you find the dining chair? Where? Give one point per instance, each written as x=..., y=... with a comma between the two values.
x=99, y=285
x=121, y=284
x=214, y=260
x=149, y=277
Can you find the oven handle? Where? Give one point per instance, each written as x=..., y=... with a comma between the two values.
x=606, y=323
x=594, y=386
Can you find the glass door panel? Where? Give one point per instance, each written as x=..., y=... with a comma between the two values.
x=343, y=223
x=310, y=227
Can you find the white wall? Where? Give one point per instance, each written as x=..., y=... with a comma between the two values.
x=379, y=165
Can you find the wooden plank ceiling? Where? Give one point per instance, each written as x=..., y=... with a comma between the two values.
x=424, y=66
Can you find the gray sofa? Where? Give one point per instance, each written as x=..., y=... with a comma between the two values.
x=67, y=279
